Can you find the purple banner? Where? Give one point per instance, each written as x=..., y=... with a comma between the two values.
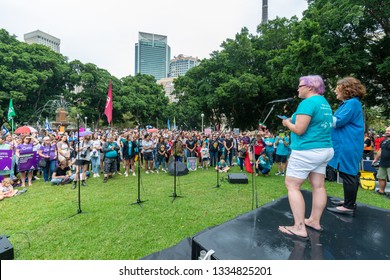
x=5, y=160
x=28, y=162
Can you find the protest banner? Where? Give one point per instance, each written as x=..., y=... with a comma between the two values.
x=191, y=163
x=28, y=162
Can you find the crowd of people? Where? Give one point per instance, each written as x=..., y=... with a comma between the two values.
x=66, y=158
x=103, y=151
x=314, y=138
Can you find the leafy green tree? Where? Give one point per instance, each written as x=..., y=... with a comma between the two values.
x=144, y=98
x=30, y=75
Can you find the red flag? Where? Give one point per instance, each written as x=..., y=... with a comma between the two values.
x=108, y=109
x=247, y=164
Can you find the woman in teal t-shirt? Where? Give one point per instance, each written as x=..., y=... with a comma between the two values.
x=311, y=150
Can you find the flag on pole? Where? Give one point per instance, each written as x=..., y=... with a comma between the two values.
x=169, y=124
x=47, y=125
x=4, y=130
x=174, y=123
x=11, y=111
x=108, y=109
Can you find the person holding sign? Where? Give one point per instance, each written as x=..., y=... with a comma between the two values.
x=6, y=157
x=26, y=158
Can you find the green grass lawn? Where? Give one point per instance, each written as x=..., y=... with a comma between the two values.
x=110, y=228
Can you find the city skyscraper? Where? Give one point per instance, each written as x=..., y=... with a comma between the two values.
x=264, y=15
x=152, y=55
x=42, y=38
x=181, y=64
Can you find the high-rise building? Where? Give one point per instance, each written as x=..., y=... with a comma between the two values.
x=152, y=55
x=264, y=16
x=168, y=86
x=181, y=64
x=42, y=38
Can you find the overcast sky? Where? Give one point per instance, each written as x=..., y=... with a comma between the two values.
x=104, y=32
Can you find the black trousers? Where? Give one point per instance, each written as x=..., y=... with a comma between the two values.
x=351, y=187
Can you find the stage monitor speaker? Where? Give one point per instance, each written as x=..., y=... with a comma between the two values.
x=6, y=249
x=238, y=178
x=181, y=168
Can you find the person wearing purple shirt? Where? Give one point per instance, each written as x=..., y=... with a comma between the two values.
x=12, y=142
x=245, y=138
x=26, y=147
x=48, y=151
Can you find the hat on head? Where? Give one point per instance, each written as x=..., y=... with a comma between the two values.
x=46, y=138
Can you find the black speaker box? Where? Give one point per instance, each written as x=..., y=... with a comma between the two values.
x=238, y=178
x=6, y=249
x=181, y=168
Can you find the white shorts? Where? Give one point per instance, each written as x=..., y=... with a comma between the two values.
x=302, y=163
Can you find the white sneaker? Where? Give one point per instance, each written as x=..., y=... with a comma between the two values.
x=126, y=175
x=151, y=171
x=278, y=173
x=133, y=174
x=164, y=170
x=282, y=174
x=147, y=172
x=157, y=171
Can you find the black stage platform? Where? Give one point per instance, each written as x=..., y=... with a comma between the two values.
x=255, y=236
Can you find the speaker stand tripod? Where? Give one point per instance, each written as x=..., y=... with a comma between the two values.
x=174, y=194
x=217, y=185
x=139, y=201
x=79, y=211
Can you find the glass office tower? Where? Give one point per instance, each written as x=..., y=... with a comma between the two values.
x=152, y=55
x=181, y=64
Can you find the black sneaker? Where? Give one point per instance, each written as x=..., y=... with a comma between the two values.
x=105, y=180
x=74, y=186
x=83, y=183
x=109, y=176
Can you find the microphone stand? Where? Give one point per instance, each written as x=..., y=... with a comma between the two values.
x=218, y=185
x=254, y=186
x=79, y=211
x=269, y=113
x=174, y=194
x=255, y=196
x=139, y=201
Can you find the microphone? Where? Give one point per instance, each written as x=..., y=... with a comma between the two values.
x=282, y=100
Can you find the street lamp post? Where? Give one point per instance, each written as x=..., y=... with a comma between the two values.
x=85, y=122
x=202, y=115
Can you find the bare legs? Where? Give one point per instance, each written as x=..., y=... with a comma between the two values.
x=319, y=200
x=23, y=178
x=297, y=204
